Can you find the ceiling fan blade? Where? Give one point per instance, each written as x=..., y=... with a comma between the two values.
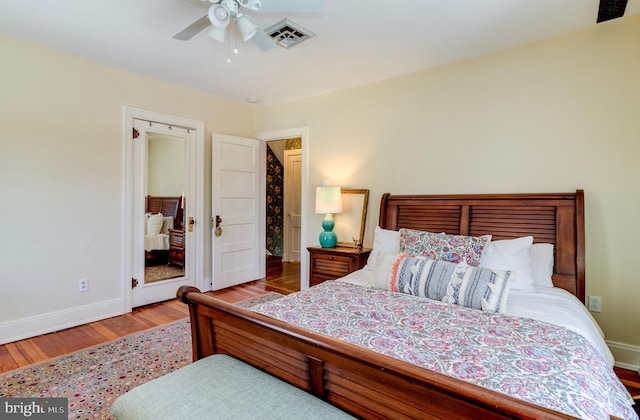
x=611, y=9
x=292, y=6
x=263, y=41
x=192, y=30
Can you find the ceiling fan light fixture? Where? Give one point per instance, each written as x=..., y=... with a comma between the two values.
x=219, y=34
x=219, y=16
x=252, y=4
x=247, y=26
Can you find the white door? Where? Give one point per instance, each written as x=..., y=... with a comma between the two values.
x=235, y=165
x=292, y=204
x=145, y=291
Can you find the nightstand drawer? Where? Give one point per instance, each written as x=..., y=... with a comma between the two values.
x=176, y=238
x=331, y=264
x=176, y=254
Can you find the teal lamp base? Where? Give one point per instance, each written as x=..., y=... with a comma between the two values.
x=328, y=238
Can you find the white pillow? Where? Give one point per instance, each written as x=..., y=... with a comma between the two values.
x=385, y=241
x=381, y=265
x=513, y=255
x=154, y=224
x=542, y=264
x=167, y=223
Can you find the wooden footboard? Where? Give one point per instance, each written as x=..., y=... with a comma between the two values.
x=359, y=381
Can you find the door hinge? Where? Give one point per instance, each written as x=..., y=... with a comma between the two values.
x=135, y=134
x=134, y=282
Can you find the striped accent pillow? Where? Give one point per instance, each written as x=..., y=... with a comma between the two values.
x=480, y=288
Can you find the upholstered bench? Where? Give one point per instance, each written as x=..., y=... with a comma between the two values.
x=220, y=387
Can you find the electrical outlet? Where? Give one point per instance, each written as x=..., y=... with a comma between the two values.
x=83, y=285
x=595, y=303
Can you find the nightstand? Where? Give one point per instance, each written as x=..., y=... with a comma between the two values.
x=332, y=263
x=176, y=247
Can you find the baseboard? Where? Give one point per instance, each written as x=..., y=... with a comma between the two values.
x=626, y=355
x=54, y=321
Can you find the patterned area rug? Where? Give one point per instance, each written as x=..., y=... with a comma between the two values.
x=93, y=378
x=162, y=272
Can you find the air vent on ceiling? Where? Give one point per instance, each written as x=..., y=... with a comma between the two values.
x=288, y=33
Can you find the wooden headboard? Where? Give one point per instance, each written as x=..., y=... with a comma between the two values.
x=168, y=206
x=555, y=218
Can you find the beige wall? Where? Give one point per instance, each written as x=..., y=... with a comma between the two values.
x=551, y=116
x=61, y=174
x=166, y=163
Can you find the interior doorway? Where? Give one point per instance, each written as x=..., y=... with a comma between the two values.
x=283, y=214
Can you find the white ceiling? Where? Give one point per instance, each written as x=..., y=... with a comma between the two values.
x=357, y=42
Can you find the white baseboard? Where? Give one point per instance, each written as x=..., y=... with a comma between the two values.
x=626, y=355
x=54, y=321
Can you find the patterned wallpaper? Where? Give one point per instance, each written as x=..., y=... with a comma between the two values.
x=275, y=203
x=293, y=144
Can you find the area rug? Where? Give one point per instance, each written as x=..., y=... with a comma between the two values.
x=93, y=378
x=162, y=272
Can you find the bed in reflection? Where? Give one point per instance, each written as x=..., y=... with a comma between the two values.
x=161, y=215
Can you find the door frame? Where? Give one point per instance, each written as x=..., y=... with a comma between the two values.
x=128, y=115
x=264, y=137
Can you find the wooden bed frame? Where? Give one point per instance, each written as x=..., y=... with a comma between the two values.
x=372, y=385
x=168, y=206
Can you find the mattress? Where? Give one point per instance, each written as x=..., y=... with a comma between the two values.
x=548, y=304
x=159, y=242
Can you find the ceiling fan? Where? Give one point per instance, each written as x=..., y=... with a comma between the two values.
x=222, y=12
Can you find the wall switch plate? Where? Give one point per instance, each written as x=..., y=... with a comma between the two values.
x=595, y=303
x=83, y=285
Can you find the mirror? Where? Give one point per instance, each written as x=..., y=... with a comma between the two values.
x=164, y=193
x=350, y=224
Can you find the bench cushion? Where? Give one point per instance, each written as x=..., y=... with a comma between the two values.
x=220, y=387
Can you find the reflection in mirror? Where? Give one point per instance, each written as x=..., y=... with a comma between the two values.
x=164, y=209
x=350, y=224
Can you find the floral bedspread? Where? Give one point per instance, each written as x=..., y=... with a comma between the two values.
x=527, y=359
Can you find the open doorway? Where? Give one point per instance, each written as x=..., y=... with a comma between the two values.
x=283, y=208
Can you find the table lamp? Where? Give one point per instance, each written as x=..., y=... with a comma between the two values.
x=328, y=201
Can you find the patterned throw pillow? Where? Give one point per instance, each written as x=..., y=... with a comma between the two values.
x=438, y=246
x=460, y=284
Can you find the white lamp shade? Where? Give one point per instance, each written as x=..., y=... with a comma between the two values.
x=254, y=4
x=247, y=26
x=219, y=16
x=328, y=200
x=219, y=34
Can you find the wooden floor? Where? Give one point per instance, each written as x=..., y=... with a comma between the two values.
x=631, y=381
x=282, y=276
x=37, y=349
